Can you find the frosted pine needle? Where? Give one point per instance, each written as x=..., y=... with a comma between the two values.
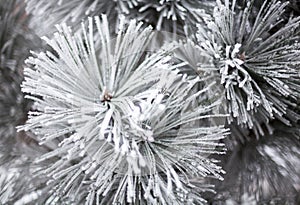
x=257, y=62
x=73, y=12
x=170, y=15
x=268, y=171
x=119, y=116
x=15, y=42
x=14, y=45
x=15, y=177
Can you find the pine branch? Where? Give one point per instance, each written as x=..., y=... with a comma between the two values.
x=13, y=51
x=72, y=12
x=119, y=119
x=266, y=171
x=15, y=42
x=257, y=62
x=170, y=15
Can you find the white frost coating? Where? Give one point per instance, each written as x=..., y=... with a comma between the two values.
x=114, y=115
x=56, y=12
x=170, y=15
x=256, y=62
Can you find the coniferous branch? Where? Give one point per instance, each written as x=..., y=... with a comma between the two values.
x=16, y=179
x=9, y=184
x=14, y=50
x=15, y=42
x=199, y=64
x=266, y=171
x=164, y=15
x=171, y=15
x=257, y=62
x=73, y=12
x=120, y=118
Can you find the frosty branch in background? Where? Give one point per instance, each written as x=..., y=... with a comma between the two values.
x=15, y=43
x=73, y=12
x=257, y=61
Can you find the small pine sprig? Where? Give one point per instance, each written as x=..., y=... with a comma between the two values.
x=257, y=61
x=72, y=12
x=265, y=172
x=15, y=42
x=118, y=119
x=16, y=157
x=170, y=15
x=13, y=51
x=9, y=179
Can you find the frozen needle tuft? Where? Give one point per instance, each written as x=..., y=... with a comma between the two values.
x=119, y=119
